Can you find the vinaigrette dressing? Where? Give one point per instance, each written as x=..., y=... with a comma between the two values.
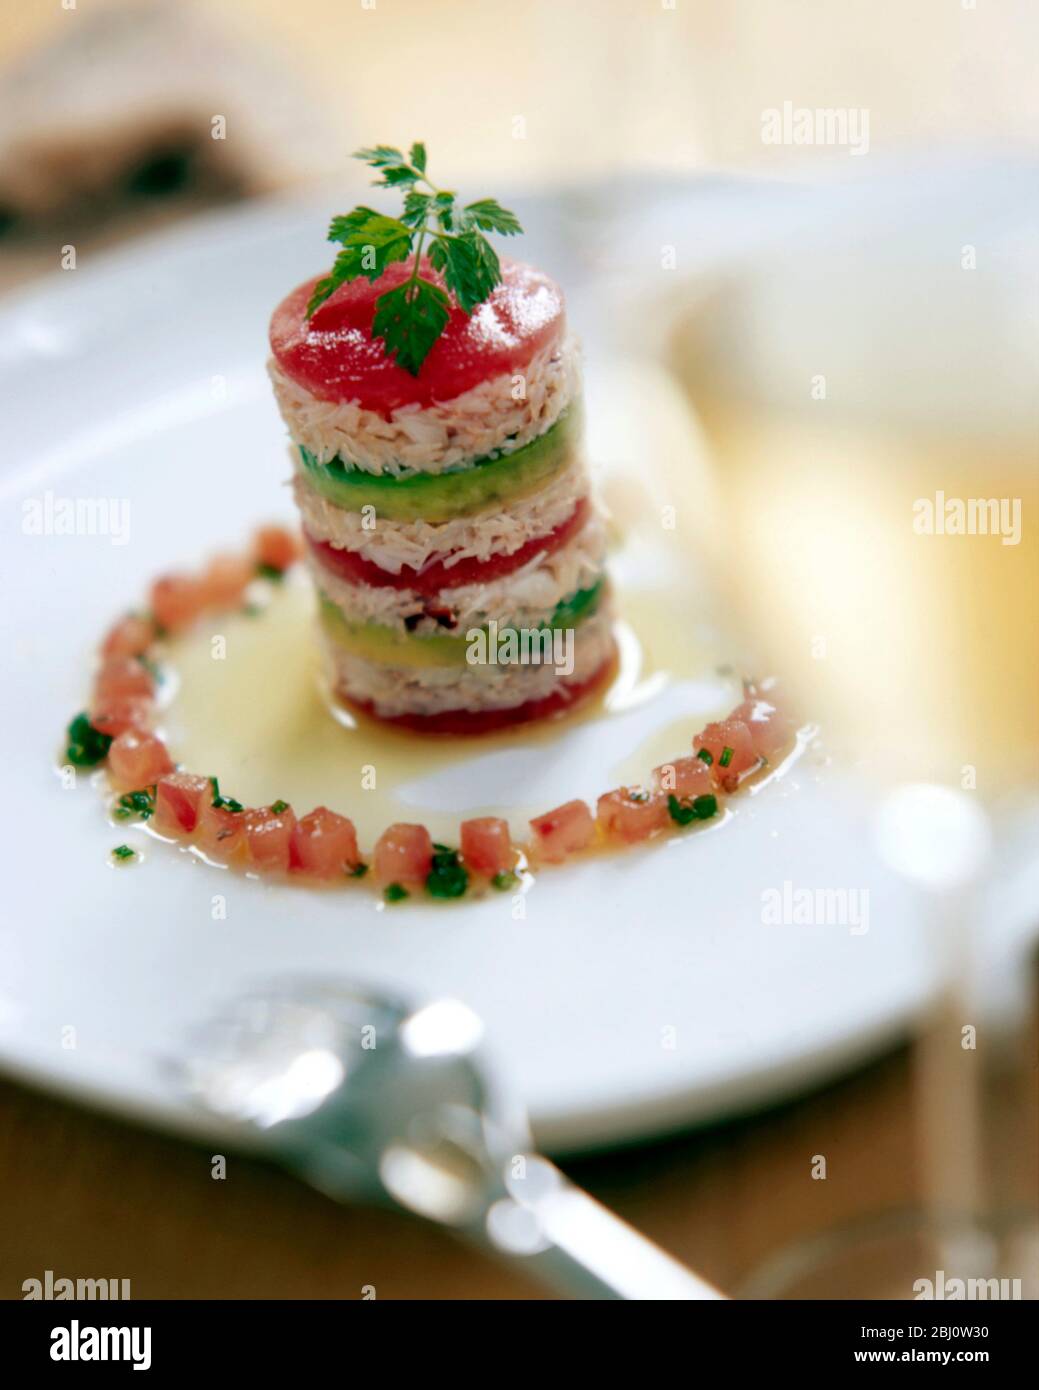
x=259, y=718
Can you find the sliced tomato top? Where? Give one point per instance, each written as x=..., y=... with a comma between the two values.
x=334, y=356
x=355, y=569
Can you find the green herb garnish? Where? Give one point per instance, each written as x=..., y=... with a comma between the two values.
x=448, y=877
x=87, y=745
x=394, y=893
x=278, y=807
x=223, y=803
x=358, y=871
x=684, y=812
x=271, y=572
x=726, y=757
x=410, y=318
x=706, y=755
x=504, y=881
x=140, y=804
x=124, y=852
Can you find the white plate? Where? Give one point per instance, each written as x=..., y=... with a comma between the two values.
x=639, y=993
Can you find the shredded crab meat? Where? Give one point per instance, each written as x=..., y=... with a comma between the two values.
x=394, y=691
x=393, y=544
x=524, y=598
x=499, y=415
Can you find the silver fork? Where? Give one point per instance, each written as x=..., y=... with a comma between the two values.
x=370, y=1099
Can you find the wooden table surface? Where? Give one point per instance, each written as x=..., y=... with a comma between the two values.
x=88, y=1196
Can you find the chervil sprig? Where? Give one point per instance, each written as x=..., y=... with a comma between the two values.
x=410, y=318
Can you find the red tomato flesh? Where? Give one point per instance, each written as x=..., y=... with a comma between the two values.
x=486, y=846
x=685, y=777
x=176, y=600
x=630, y=814
x=121, y=676
x=225, y=580
x=179, y=797
x=770, y=729
x=334, y=356
x=276, y=547
x=734, y=735
x=219, y=833
x=137, y=760
x=566, y=830
x=129, y=637
x=325, y=844
x=403, y=854
x=429, y=580
x=121, y=712
x=268, y=838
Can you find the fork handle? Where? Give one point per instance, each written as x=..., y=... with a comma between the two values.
x=571, y=1242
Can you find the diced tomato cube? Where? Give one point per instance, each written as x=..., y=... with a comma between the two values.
x=727, y=768
x=268, y=837
x=631, y=814
x=685, y=777
x=176, y=600
x=137, y=760
x=403, y=854
x=566, y=830
x=122, y=675
x=487, y=846
x=219, y=832
x=179, y=797
x=770, y=729
x=325, y=844
x=275, y=546
x=131, y=636
x=121, y=712
x=225, y=580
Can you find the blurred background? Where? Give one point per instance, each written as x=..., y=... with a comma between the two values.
x=819, y=219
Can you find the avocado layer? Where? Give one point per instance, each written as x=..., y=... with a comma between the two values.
x=478, y=487
x=389, y=646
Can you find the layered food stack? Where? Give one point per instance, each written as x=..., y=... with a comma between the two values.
x=445, y=504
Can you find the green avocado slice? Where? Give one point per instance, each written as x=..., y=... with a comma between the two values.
x=477, y=487
x=390, y=646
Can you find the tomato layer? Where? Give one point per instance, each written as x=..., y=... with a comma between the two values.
x=334, y=356
x=428, y=581
x=463, y=722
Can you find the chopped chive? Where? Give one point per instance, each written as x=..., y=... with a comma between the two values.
x=124, y=852
x=140, y=803
x=87, y=745
x=223, y=803
x=271, y=572
x=504, y=881
x=394, y=893
x=726, y=757
x=706, y=755
x=279, y=806
x=358, y=871
x=684, y=812
x=448, y=878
